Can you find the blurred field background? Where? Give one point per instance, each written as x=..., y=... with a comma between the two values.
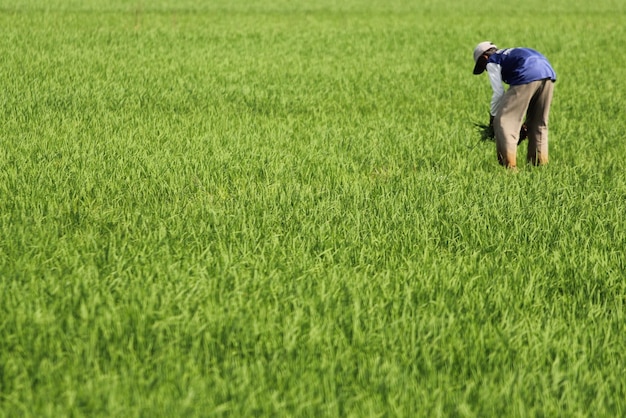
x=284, y=208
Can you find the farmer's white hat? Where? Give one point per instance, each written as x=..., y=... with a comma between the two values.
x=480, y=49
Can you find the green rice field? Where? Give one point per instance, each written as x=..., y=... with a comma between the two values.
x=283, y=208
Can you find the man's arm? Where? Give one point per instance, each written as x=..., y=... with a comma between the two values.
x=495, y=77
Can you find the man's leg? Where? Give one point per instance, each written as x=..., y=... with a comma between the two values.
x=508, y=121
x=537, y=123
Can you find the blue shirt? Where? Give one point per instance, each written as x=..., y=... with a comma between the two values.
x=522, y=66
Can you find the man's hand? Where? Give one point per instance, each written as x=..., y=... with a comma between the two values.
x=486, y=131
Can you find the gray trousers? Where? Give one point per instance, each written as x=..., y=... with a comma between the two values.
x=533, y=101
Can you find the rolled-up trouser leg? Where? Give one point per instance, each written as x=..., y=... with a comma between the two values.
x=508, y=121
x=537, y=123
